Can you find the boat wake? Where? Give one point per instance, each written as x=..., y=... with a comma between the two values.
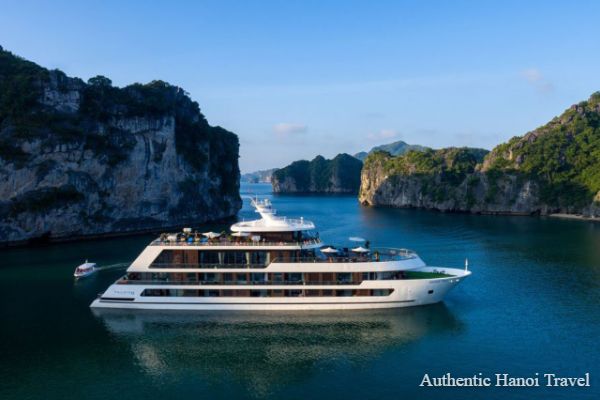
x=113, y=266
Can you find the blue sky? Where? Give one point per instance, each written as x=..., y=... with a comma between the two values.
x=296, y=79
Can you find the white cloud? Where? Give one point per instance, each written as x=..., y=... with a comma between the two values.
x=287, y=128
x=532, y=75
x=536, y=79
x=384, y=134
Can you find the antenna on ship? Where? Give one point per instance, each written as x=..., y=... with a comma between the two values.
x=466, y=264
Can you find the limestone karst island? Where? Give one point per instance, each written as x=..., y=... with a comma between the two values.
x=86, y=159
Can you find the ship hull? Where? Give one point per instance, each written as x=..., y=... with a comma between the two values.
x=406, y=293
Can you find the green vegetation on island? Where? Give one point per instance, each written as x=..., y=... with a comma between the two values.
x=555, y=168
x=79, y=158
x=395, y=148
x=562, y=157
x=338, y=175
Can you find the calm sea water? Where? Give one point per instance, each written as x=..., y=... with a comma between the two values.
x=531, y=305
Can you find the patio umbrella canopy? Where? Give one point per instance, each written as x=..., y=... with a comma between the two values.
x=328, y=250
x=360, y=249
x=211, y=235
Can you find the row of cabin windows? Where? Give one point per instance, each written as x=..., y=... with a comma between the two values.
x=244, y=277
x=195, y=258
x=264, y=293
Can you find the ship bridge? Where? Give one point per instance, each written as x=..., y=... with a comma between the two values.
x=270, y=222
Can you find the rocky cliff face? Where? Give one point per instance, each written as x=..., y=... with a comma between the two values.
x=475, y=192
x=81, y=159
x=553, y=169
x=339, y=175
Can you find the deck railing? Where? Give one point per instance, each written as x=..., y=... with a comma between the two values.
x=374, y=255
x=240, y=283
x=229, y=242
x=206, y=266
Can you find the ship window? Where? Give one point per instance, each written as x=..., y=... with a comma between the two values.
x=134, y=276
x=307, y=253
x=258, y=257
x=227, y=277
x=387, y=275
x=382, y=292
x=430, y=291
x=209, y=257
x=159, y=277
x=264, y=293
x=235, y=257
x=240, y=278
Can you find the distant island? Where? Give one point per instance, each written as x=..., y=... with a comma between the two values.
x=263, y=176
x=338, y=175
x=88, y=159
x=553, y=169
x=396, y=148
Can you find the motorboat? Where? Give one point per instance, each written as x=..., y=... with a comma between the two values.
x=85, y=269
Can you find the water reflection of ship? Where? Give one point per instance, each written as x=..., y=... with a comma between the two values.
x=262, y=350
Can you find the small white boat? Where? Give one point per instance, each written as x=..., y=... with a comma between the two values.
x=85, y=269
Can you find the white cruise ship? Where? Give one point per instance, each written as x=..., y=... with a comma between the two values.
x=274, y=263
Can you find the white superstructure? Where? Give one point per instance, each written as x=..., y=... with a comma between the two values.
x=273, y=263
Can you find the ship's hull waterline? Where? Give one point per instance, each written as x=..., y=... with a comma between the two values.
x=406, y=293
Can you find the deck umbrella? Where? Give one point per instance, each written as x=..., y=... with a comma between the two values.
x=328, y=250
x=360, y=249
x=211, y=235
